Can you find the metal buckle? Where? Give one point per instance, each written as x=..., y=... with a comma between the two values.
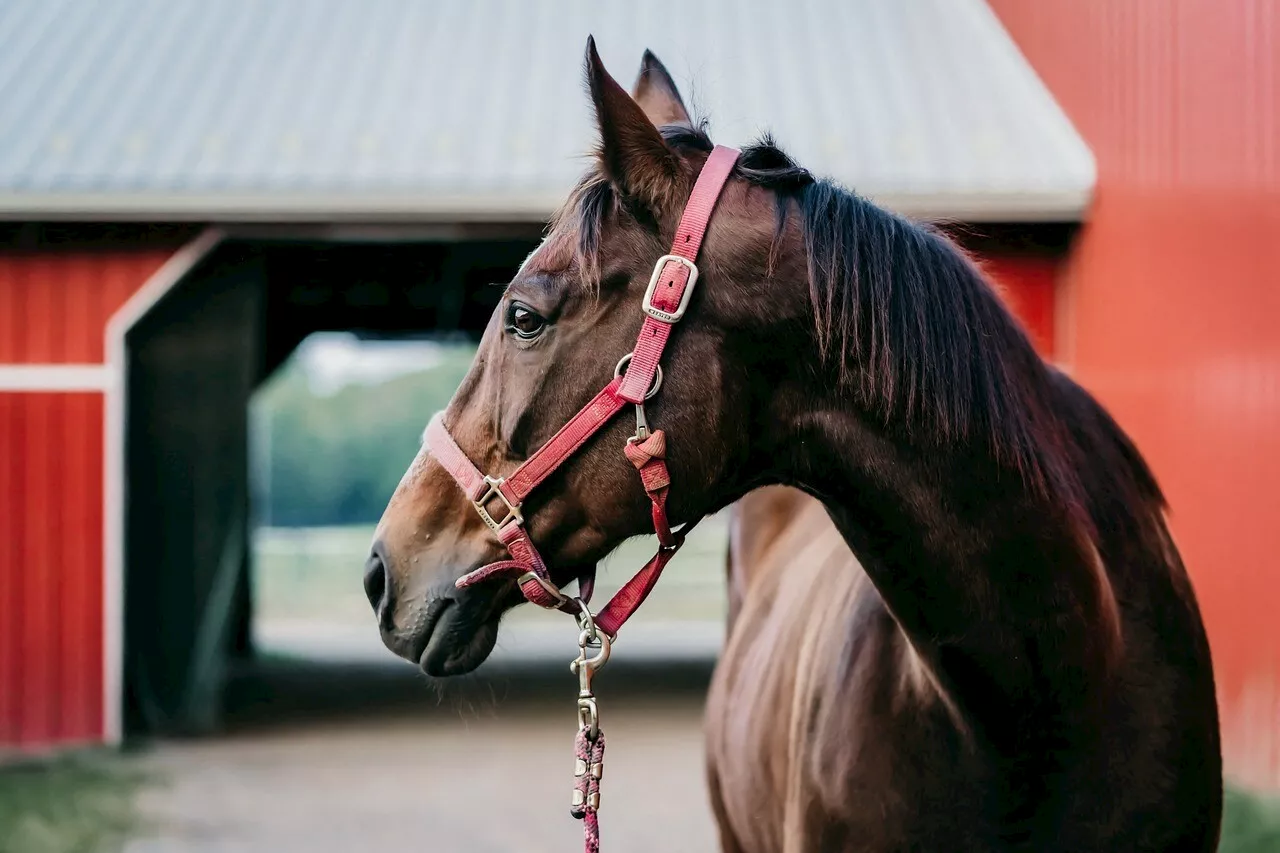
x=647, y=304
x=495, y=491
x=559, y=596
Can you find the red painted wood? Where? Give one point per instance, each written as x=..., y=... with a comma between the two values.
x=10, y=577
x=1026, y=283
x=1172, y=295
x=50, y=568
x=80, y=682
x=40, y=568
x=54, y=304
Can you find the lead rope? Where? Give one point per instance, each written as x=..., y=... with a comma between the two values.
x=646, y=450
x=586, y=792
x=588, y=746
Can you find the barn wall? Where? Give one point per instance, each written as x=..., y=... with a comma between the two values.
x=54, y=304
x=1172, y=297
x=1028, y=286
x=50, y=567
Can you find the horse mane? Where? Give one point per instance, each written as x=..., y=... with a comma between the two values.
x=912, y=327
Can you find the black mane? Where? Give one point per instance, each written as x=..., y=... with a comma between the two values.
x=911, y=325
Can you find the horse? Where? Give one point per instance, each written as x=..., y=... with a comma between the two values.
x=1021, y=662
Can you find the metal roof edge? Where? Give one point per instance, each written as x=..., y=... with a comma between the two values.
x=1047, y=206
x=279, y=207
x=1088, y=160
x=1056, y=206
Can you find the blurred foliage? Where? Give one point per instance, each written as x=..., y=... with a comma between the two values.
x=335, y=459
x=1250, y=823
x=74, y=804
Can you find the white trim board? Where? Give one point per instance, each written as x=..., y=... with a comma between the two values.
x=113, y=481
x=58, y=378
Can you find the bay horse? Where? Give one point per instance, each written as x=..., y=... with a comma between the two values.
x=1019, y=663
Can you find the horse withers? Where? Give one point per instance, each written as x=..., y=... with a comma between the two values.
x=1019, y=664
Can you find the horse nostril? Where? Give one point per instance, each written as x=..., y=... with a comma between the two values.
x=376, y=585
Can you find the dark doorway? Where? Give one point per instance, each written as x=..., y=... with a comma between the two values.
x=193, y=363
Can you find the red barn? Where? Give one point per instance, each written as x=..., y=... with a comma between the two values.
x=1169, y=302
x=192, y=190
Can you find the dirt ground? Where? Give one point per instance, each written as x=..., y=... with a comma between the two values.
x=388, y=763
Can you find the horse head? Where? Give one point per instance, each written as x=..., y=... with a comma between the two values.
x=567, y=318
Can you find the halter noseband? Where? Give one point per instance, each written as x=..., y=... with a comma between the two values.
x=664, y=304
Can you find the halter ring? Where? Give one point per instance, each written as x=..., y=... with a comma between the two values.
x=657, y=377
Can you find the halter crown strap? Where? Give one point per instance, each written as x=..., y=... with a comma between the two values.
x=675, y=275
x=498, y=500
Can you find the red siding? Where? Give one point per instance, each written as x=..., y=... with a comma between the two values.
x=1026, y=284
x=1172, y=298
x=50, y=568
x=54, y=305
x=53, y=309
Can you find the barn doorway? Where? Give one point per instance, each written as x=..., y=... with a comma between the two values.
x=192, y=364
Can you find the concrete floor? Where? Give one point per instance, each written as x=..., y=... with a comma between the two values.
x=355, y=759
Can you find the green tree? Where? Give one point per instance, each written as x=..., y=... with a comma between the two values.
x=336, y=459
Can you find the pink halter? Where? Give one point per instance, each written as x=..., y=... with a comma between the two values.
x=664, y=303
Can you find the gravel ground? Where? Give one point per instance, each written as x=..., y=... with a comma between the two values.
x=357, y=752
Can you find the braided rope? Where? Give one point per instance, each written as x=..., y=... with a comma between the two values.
x=586, y=802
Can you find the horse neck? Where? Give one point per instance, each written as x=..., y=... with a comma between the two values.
x=999, y=587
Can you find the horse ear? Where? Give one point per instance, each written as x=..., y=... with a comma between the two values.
x=633, y=154
x=657, y=95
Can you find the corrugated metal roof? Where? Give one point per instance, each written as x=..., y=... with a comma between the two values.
x=475, y=109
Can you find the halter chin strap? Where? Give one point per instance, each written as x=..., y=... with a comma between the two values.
x=664, y=304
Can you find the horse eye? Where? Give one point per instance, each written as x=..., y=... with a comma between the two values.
x=524, y=322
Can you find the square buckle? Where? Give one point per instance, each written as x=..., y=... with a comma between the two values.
x=559, y=597
x=495, y=491
x=657, y=313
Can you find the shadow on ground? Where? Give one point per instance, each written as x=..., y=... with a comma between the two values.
x=280, y=692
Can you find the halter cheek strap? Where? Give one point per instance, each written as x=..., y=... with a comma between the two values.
x=664, y=304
